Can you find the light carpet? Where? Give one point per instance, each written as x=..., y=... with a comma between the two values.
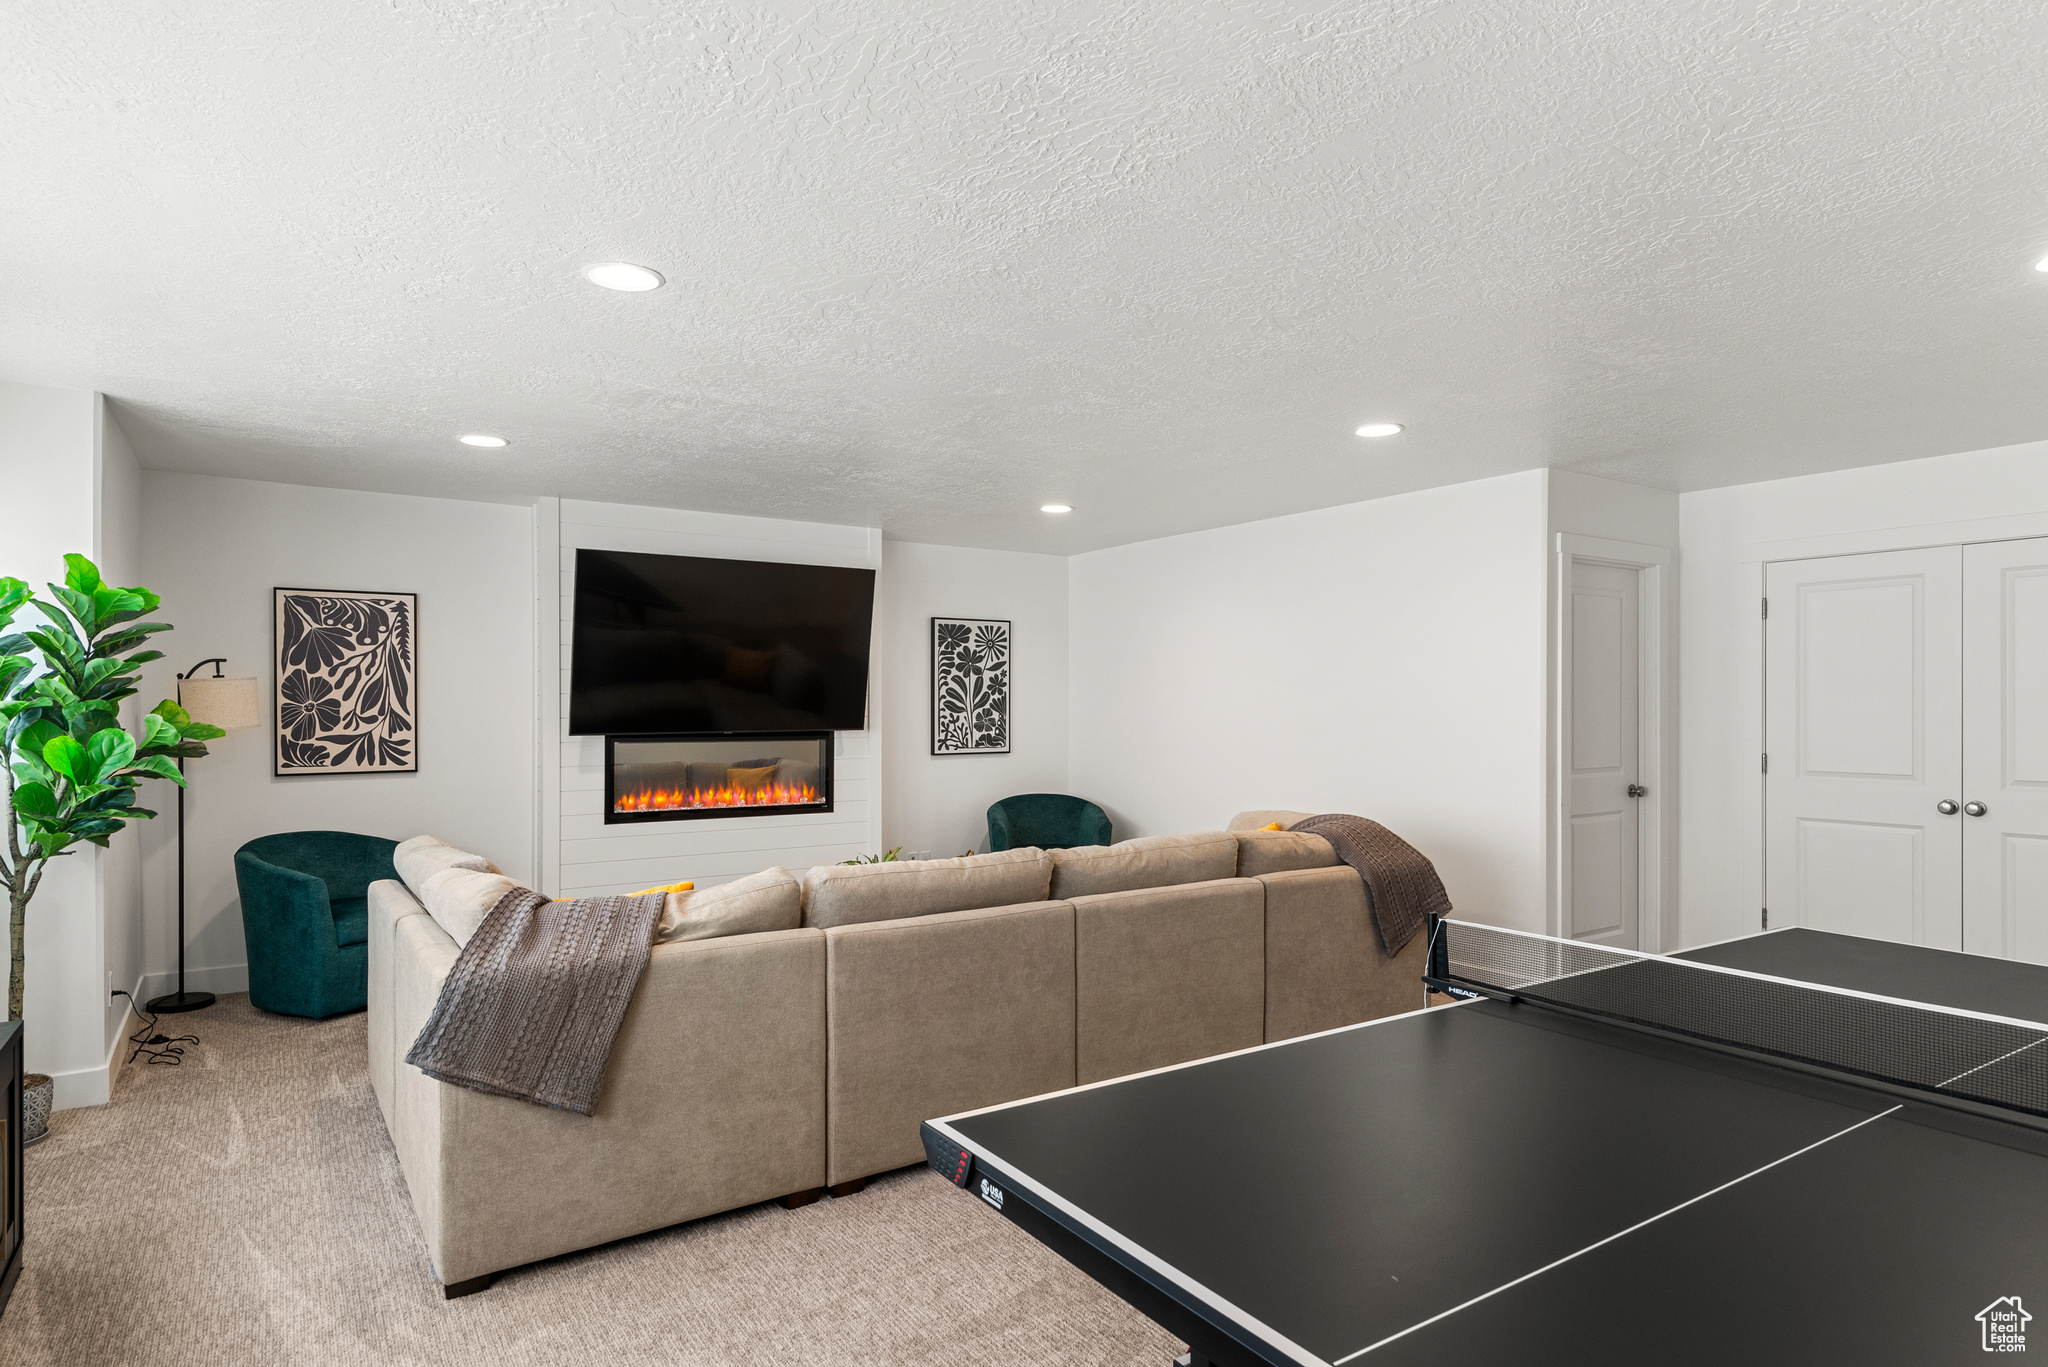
x=246, y=1208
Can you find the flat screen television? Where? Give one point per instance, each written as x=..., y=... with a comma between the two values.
x=669, y=643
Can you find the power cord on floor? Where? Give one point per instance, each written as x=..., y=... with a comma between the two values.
x=159, y=1047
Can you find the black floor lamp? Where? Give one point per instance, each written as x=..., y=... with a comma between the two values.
x=228, y=704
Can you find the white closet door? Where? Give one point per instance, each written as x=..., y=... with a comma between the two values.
x=1863, y=725
x=2005, y=765
x=1606, y=755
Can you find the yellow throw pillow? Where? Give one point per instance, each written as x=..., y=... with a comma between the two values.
x=748, y=779
x=666, y=887
x=1270, y=826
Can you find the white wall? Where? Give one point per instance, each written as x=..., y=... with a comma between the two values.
x=1383, y=658
x=215, y=548
x=49, y=466
x=117, y=547
x=1726, y=537
x=939, y=803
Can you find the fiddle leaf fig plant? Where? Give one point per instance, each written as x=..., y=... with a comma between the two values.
x=71, y=769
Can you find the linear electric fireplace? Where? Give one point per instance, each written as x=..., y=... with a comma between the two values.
x=682, y=777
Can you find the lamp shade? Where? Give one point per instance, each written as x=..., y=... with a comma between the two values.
x=226, y=703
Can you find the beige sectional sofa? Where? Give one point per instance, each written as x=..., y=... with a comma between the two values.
x=770, y=1065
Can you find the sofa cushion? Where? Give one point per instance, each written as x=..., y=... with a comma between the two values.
x=848, y=894
x=423, y=856
x=1150, y=861
x=1164, y=975
x=458, y=898
x=996, y=985
x=769, y=900
x=1263, y=852
x=351, y=920
x=1325, y=966
x=1252, y=821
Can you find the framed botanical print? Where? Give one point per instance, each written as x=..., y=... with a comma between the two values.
x=347, y=692
x=970, y=686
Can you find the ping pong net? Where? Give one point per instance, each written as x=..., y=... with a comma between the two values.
x=1984, y=1059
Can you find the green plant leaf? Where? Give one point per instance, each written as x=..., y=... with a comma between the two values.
x=67, y=757
x=169, y=710
x=60, y=648
x=35, y=734
x=122, y=641
x=35, y=799
x=110, y=752
x=157, y=731
x=199, y=730
x=78, y=604
x=83, y=719
x=97, y=672
x=80, y=574
x=159, y=765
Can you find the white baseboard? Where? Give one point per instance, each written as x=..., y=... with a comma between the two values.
x=222, y=980
x=94, y=1086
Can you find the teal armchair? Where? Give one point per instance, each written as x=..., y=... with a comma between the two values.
x=306, y=918
x=1051, y=821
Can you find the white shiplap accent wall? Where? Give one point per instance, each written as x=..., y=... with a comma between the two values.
x=580, y=854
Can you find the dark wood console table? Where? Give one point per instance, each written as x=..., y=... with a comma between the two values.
x=10, y=1160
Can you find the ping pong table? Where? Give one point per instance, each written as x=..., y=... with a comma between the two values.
x=1794, y=1147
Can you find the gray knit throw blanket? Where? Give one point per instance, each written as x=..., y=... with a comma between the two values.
x=1400, y=882
x=535, y=998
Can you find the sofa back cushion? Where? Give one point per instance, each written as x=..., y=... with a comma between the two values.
x=769, y=900
x=996, y=985
x=848, y=894
x=458, y=898
x=1150, y=861
x=1164, y=975
x=1252, y=821
x=423, y=856
x=1263, y=852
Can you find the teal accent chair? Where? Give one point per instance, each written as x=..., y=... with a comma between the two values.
x=1051, y=821
x=306, y=918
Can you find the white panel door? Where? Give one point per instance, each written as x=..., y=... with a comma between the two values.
x=1863, y=726
x=1605, y=754
x=2005, y=758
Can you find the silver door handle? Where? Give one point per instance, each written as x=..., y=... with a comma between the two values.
x=1975, y=808
x=1947, y=806
x=1638, y=790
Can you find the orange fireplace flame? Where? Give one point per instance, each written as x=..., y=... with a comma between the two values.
x=682, y=800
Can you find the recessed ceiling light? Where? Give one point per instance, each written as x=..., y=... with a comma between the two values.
x=1379, y=429
x=622, y=275
x=2042, y=264
x=479, y=439
x=1055, y=508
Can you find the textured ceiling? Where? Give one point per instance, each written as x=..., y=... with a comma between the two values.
x=933, y=264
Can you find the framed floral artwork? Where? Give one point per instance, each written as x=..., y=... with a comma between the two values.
x=970, y=686
x=347, y=682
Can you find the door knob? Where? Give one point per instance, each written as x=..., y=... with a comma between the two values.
x=1947, y=806
x=1638, y=790
x=1975, y=808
